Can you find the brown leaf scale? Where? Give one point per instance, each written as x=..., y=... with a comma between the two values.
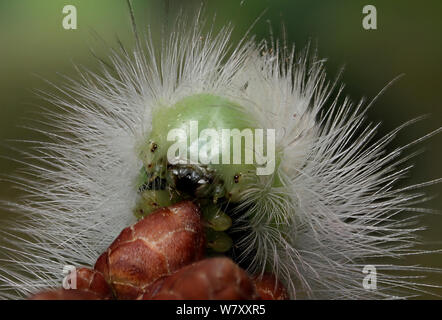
x=62, y=294
x=93, y=281
x=161, y=243
x=91, y=285
x=209, y=279
x=269, y=288
x=158, y=258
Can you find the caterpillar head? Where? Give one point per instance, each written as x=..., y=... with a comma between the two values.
x=203, y=149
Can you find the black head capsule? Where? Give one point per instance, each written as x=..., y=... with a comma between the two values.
x=193, y=180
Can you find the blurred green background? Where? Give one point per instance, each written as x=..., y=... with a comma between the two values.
x=33, y=45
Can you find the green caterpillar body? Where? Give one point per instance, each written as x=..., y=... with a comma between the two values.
x=162, y=183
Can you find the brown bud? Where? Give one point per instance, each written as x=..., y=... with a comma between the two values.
x=156, y=246
x=62, y=294
x=90, y=285
x=93, y=281
x=209, y=279
x=270, y=288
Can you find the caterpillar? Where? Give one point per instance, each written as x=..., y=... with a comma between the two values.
x=329, y=206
